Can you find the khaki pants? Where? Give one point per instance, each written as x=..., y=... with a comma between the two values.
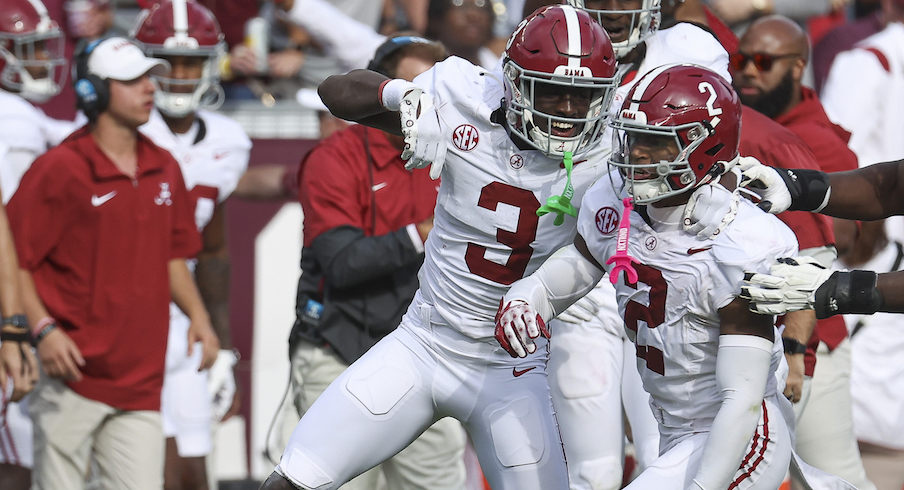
x=435, y=460
x=70, y=431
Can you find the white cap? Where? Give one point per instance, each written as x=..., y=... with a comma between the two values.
x=117, y=58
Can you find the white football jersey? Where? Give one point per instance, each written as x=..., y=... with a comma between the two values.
x=486, y=231
x=213, y=155
x=681, y=43
x=672, y=313
x=28, y=133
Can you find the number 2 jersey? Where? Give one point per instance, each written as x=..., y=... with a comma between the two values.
x=672, y=312
x=486, y=231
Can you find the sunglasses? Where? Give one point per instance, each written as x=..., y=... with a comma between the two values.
x=762, y=61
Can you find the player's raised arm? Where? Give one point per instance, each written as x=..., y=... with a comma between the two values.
x=359, y=96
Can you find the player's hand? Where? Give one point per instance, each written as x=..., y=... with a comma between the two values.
x=221, y=383
x=709, y=209
x=60, y=356
x=517, y=324
x=794, y=383
x=423, y=132
x=769, y=183
x=200, y=331
x=790, y=286
x=19, y=367
x=582, y=311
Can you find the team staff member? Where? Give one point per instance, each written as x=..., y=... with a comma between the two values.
x=365, y=222
x=102, y=225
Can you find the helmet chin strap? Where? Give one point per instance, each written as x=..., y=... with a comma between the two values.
x=561, y=204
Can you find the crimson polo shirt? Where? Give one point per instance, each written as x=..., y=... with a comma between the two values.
x=98, y=244
x=809, y=121
x=335, y=187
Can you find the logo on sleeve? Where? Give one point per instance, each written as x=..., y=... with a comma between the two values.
x=606, y=220
x=165, y=196
x=100, y=200
x=465, y=137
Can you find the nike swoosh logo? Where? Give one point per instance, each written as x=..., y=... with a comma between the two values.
x=217, y=156
x=692, y=251
x=516, y=372
x=562, y=165
x=379, y=186
x=99, y=200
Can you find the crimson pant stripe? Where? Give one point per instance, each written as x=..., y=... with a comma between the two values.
x=762, y=453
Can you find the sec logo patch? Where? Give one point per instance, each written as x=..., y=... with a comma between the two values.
x=465, y=137
x=606, y=220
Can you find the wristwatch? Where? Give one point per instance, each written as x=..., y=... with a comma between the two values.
x=792, y=346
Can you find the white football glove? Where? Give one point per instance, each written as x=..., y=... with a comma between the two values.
x=709, y=210
x=766, y=182
x=516, y=326
x=790, y=285
x=423, y=132
x=221, y=383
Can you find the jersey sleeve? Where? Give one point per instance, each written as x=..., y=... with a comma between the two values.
x=233, y=152
x=752, y=242
x=598, y=219
x=41, y=210
x=456, y=84
x=691, y=44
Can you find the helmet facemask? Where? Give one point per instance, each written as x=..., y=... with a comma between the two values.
x=653, y=181
x=176, y=97
x=34, y=64
x=552, y=134
x=644, y=21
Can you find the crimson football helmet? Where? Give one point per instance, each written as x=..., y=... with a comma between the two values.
x=644, y=22
x=183, y=28
x=688, y=106
x=558, y=50
x=31, y=50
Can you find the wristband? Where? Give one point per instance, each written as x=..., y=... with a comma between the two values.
x=43, y=322
x=39, y=336
x=392, y=91
x=18, y=321
x=14, y=336
x=848, y=292
x=809, y=189
x=792, y=346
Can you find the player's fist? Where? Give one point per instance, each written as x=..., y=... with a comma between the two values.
x=709, y=209
x=769, y=183
x=423, y=132
x=517, y=324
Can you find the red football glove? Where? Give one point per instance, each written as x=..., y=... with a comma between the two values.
x=516, y=326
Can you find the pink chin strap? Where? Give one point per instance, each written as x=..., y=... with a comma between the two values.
x=621, y=258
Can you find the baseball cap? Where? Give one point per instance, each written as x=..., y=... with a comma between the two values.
x=117, y=58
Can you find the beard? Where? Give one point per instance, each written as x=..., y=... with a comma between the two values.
x=773, y=102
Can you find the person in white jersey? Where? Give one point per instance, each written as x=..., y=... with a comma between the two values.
x=31, y=71
x=593, y=380
x=505, y=143
x=212, y=151
x=707, y=362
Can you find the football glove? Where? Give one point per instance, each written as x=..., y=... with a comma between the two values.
x=516, y=326
x=423, y=132
x=221, y=383
x=709, y=210
x=790, y=286
x=782, y=189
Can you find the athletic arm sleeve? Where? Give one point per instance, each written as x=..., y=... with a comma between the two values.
x=742, y=369
x=564, y=278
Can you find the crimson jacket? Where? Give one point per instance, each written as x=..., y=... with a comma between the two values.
x=98, y=245
x=361, y=247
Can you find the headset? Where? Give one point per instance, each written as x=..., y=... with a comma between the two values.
x=389, y=47
x=92, y=93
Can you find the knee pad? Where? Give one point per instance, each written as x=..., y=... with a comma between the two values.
x=519, y=436
x=584, y=373
x=598, y=474
x=298, y=468
x=381, y=383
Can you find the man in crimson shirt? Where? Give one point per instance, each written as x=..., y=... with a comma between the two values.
x=103, y=225
x=766, y=72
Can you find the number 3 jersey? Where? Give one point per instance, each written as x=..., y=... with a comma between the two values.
x=486, y=231
x=672, y=312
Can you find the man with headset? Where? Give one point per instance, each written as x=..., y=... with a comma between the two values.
x=102, y=224
x=366, y=220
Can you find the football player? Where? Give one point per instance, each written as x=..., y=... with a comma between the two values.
x=707, y=362
x=212, y=151
x=504, y=142
x=592, y=374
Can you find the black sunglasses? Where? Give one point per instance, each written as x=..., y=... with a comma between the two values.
x=762, y=61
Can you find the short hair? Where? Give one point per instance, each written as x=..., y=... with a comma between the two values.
x=402, y=45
